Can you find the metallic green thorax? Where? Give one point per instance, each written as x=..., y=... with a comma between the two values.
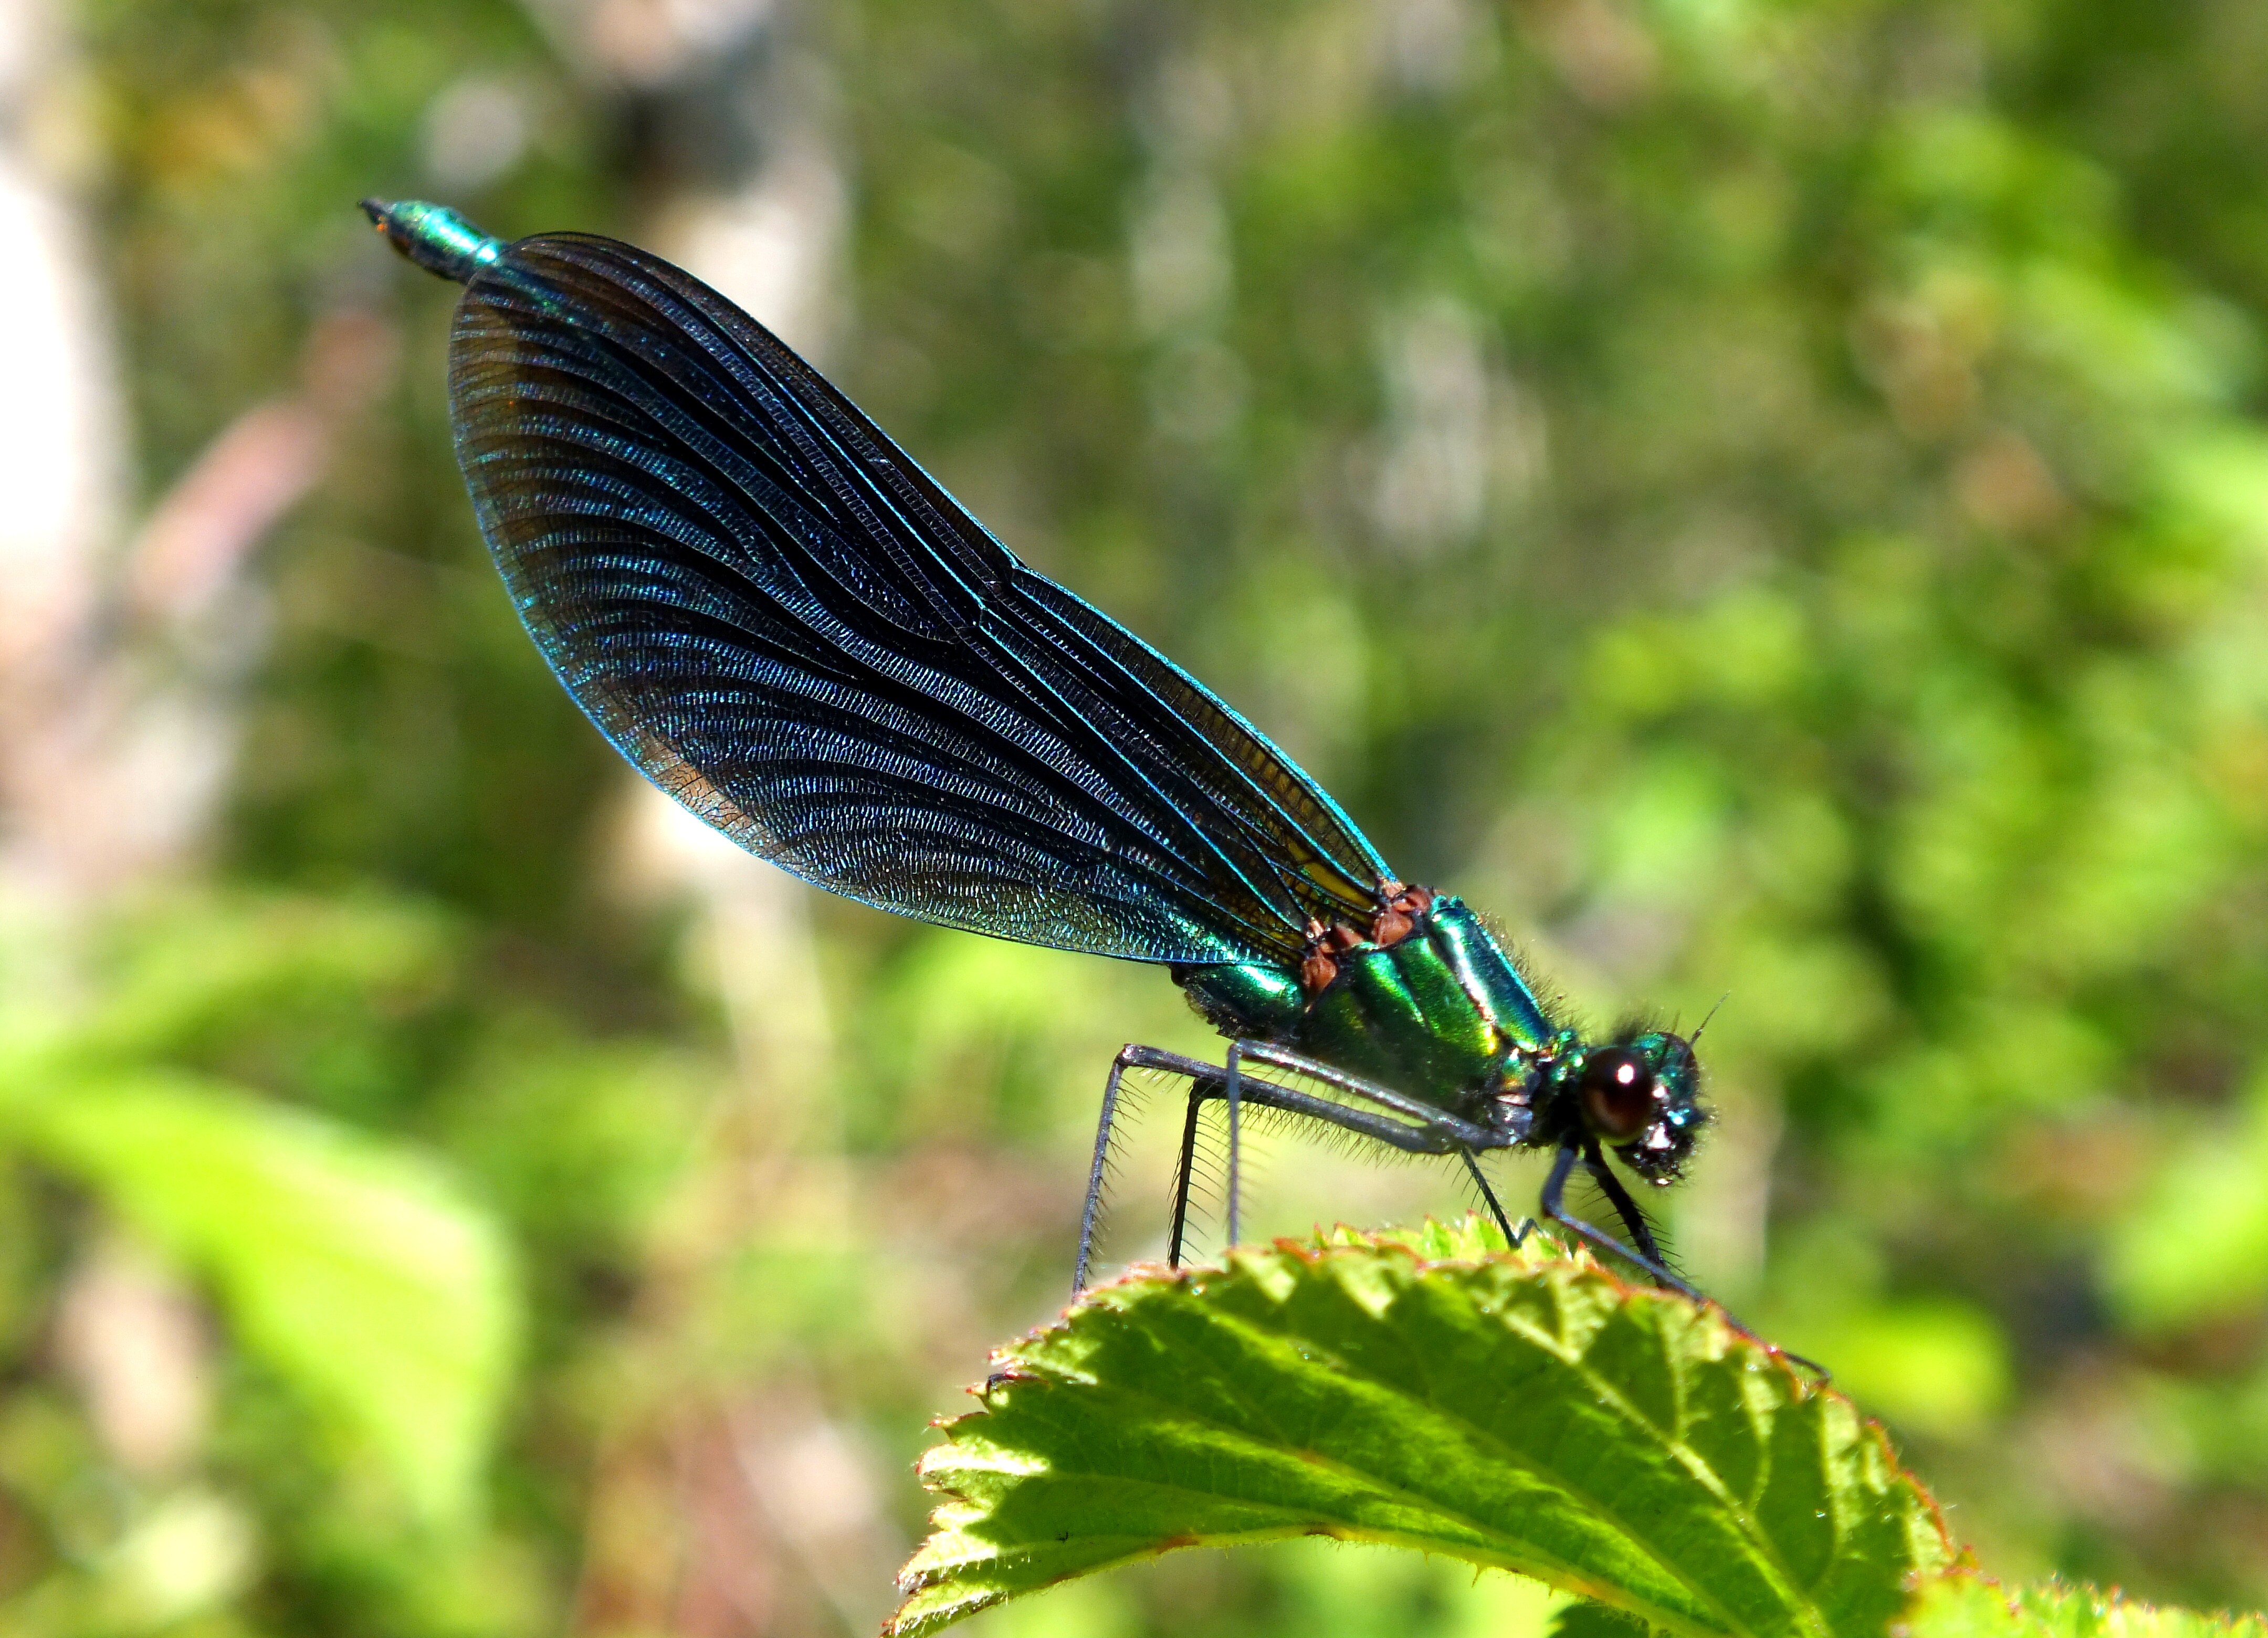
x=1440, y=1017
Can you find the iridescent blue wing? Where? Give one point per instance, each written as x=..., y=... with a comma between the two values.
x=789, y=626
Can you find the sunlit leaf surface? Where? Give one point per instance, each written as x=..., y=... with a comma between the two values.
x=1522, y=1411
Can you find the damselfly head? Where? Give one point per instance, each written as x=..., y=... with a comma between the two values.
x=1643, y=1096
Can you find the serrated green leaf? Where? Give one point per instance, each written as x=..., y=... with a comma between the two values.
x=1964, y=1605
x=1520, y=1410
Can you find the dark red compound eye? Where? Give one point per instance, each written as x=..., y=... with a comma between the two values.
x=1617, y=1088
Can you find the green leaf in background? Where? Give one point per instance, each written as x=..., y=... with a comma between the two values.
x=180, y=972
x=2193, y=1245
x=1522, y=1411
x=349, y=1266
x=1969, y=1606
x=1935, y=1366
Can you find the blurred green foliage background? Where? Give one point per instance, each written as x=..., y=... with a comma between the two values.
x=1761, y=496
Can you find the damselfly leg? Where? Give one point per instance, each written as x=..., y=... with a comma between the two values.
x=1513, y=1236
x=1428, y=1131
x=1422, y=1130
x=1619, y=1198
x=1182, y=1169
x=1553, y=1206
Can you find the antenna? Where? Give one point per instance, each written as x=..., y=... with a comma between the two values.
x=1695, y=1038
